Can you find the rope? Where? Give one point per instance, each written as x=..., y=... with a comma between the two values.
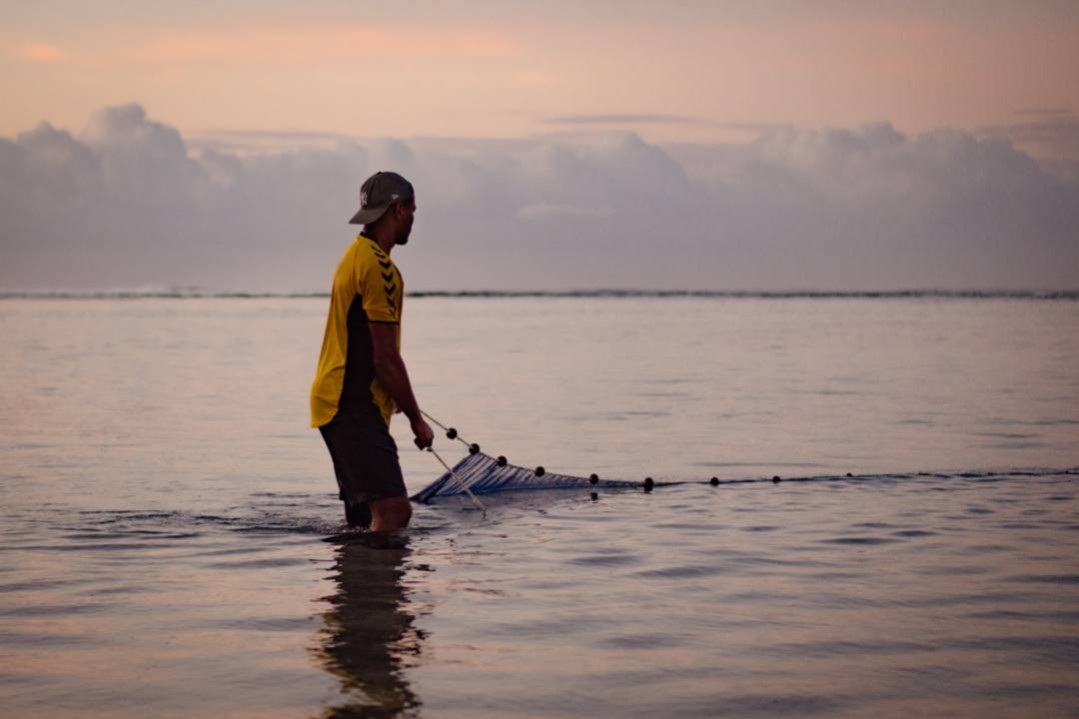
x=451, y=432
x=433, y=420
x=460, y=482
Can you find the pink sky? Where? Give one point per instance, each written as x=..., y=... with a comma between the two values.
x=476, y=69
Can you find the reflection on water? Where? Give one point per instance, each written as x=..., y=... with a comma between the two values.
x=369, y=638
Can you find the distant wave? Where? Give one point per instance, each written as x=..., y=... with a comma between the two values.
x=138, y=293
x=771, y=294
x=194, y=293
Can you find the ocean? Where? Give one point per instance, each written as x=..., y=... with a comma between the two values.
x=173, y=545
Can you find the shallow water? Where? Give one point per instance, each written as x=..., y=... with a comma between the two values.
x=171, y=539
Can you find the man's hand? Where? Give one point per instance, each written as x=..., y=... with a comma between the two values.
x=424, y=435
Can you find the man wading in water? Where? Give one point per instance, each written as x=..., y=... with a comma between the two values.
x=361, y=376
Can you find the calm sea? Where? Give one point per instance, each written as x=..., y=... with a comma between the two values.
x=172, y=544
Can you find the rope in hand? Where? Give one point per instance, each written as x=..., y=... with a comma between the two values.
x=452, y=434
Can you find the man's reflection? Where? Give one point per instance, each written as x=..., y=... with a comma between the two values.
x=369, y=638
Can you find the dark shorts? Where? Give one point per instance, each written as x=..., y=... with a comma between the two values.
x=365, y=462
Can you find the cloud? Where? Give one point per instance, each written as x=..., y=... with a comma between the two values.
x=1043, y=111
x=40, y=52
x=537, y=79
x=568, y=212
x=304, y=46
x=627, y=119
x=1051, y=135
x=127, y=202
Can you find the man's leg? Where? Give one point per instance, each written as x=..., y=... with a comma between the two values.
x=366, y=465
x=388, y=515
x=357, y=515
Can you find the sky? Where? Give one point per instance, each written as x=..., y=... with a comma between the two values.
x=691, y=145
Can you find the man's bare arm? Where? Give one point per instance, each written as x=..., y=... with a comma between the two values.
x=391, y=372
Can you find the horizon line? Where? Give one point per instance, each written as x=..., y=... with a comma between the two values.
x=601, y=293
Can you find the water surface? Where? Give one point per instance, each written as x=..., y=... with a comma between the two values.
x=172, y=545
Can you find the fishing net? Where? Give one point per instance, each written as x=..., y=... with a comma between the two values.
x=479, y=473
x=483, y=474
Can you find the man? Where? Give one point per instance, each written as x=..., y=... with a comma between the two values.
x=361, y=378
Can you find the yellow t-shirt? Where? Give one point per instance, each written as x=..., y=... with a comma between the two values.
x=367, y=287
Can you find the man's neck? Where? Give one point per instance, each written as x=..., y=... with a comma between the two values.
x=381, y=239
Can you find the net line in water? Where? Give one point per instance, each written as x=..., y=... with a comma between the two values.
x=479, y=473
x=482, y=474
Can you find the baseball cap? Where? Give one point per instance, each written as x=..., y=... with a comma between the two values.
x=377, y=193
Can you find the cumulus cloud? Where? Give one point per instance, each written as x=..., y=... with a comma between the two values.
x=1049, y=134
x=128, y=202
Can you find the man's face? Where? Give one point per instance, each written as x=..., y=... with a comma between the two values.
x=406, y=212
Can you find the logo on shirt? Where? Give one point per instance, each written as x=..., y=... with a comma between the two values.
x=389, y=278
x=390, y=287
